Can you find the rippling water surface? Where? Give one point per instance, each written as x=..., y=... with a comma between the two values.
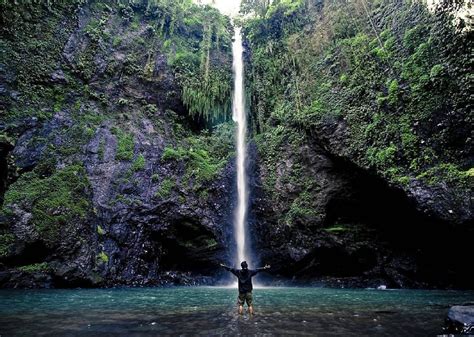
x=212, y=311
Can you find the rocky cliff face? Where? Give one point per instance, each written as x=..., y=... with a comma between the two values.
x=365, y=160
x=344, y=226
x=106, y=177
x=116, y=155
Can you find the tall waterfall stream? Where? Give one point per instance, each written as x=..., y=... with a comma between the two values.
x=239, y=116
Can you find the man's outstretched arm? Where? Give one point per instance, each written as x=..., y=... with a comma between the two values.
x=232, y=270
x=267, y=266
x=225, y=267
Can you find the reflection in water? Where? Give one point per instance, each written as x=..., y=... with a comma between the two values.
x=211, y=311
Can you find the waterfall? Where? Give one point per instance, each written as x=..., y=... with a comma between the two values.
x=239, y=116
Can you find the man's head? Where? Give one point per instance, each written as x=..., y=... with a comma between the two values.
x=244, y=265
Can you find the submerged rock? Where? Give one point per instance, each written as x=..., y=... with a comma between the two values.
x=460, y=319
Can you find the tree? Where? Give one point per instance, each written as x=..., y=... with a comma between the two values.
x=255, y=7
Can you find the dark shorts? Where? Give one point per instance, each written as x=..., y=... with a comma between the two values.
x=245, y=297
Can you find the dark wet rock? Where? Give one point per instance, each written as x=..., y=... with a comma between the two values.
x=450, y=205
x=58, y=77
x=5, y=148
x=20, y=279
x=439, y=200
x=360, y=231
x=128, y=234
x=460, y=320
x=28, y=151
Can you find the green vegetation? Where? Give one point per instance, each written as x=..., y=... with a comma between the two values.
x=79, y=134
x=35, y=268
x=139, y=163
x=166, y=188
x=6, y=241
x=100, y=230
x=57, y=202
x=103, y=258
x=170, y=153
x=285, y=177
x=385, y=70
x=445, y=173
x=43, y=44
x=199, y=163
x=197, y=41
x=202, y=156
x=272, y=145
x=336, y=229
x=211, y=243
x=125, y=145
x=383, y=84
x=34, y=36
x=302, y=207
x=64, y=97
x=119, y=198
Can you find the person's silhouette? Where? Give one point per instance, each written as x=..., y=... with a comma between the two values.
x=245, y=284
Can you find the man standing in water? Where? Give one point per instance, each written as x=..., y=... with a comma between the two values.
x=245, y=284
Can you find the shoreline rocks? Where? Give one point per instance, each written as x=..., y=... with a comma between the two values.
x=460, y=320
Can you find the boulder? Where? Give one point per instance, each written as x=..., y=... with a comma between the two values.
x=460, y=319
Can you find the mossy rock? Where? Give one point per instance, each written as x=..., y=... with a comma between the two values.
x=56, y=202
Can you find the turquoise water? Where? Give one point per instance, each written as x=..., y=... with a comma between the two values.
x=212, y=311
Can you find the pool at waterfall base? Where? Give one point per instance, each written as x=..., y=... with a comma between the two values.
x=212, y=311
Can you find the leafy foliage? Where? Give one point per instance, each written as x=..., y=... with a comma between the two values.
x=125, y=145
x=285, y=175
x=385, y=70
x=202, y=156
x=197, y=42
x=56, y=201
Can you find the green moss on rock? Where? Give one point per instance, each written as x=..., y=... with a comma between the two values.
x=139, y=163
x=103, y=258
x=6, y=242
x=100, y=230
x=204, y=156
x=389, y=87
x=166, y=188
x=56, y=202
x=125, y=145
x=337, y=229
x=35, y=268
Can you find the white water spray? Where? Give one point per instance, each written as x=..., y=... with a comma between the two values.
x=239, y=116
